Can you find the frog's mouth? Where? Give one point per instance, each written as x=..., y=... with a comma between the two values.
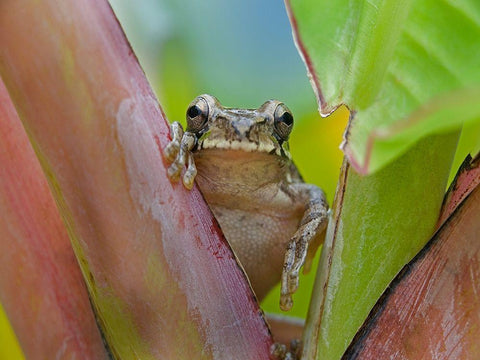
x=263, y=145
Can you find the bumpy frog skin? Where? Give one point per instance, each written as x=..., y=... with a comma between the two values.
x=241, y=163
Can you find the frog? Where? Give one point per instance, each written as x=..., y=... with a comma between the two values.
x=241, y=163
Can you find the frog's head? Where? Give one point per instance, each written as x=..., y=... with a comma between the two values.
x=265, y=129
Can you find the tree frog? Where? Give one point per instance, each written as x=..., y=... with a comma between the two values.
x=241, y=163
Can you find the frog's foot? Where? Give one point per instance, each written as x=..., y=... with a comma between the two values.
x=178, y=152
x=279, y=351
x=306, y=239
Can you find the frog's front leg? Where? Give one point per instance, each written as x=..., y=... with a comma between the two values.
x=178, y=152
x=311, y=232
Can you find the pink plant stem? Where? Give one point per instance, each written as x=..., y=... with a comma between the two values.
x=160, y=274
x=41, y=286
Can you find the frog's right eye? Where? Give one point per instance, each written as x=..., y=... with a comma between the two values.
x=283, y=120
x=197, y=114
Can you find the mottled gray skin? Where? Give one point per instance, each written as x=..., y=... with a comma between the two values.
x=241, y=163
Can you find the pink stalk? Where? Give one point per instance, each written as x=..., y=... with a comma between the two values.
x=466, y=180
x=161, y=276
x=41, y=286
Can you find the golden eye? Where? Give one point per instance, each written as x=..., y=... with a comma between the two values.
x=197, y=114
x=283, y=121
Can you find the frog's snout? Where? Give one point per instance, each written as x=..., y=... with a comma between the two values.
x=242, y=128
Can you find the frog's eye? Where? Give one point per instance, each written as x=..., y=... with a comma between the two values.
x=197, y=115
x=283, y=120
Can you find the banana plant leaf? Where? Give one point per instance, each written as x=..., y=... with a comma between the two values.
x=405, y=70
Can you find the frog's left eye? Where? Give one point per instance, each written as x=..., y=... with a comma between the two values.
x=283, y=121
x=197, y=114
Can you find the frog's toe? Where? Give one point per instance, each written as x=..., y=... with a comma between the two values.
x=171, y=150
x=190, y=173
x=294, y=259
x=174, y=171
x=288, y=287
x=280, y=352
x=286, y=302
x=189, y=178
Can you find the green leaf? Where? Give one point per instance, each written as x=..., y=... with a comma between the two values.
x=406, y=69
x=379, y=223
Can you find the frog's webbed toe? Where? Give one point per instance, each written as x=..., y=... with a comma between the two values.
x=306, y=239
x=178, y=152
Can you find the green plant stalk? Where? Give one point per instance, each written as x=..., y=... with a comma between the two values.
x=379, y=223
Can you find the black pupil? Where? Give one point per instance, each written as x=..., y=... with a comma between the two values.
x=286, y=118
x=194, y=111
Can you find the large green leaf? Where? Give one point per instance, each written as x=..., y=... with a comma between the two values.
x=366, y=54
x=379, y=223
x=405, y=69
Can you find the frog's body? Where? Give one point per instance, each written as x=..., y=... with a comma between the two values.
x=237, y=187
x=268, y=215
